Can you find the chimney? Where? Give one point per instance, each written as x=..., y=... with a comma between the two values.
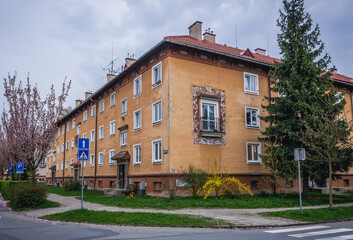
x=195, y=30
x=128, y=61
x=260, y=51
x=110, y=76
x=78, y=102
x=88, y=94
x=209, y=36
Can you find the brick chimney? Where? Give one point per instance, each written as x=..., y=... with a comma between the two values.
x=129, y=60
x=260, y=51
x=78, y=102
x=88, y=94
x=195, y=30
x=209, y=36
x=110, y=76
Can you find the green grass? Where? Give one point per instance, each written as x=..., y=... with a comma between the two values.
x=242, y=201
x=46, y=204
x=62, y=192
x=314, y=215
x=135, y=219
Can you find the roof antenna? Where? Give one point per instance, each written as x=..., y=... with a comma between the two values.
x=109, y=69
x=236, y=36
x=268, y=46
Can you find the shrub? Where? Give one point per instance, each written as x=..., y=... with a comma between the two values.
x=26, y=195
x=72, y=185
x=194, y=178
x=5, y=185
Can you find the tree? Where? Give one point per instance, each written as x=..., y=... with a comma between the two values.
x=29, y=124
x=302, y=88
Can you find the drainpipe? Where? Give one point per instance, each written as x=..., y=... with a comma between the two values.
x=95, y=144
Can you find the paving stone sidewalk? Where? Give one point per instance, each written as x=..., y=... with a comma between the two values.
x=239, y=217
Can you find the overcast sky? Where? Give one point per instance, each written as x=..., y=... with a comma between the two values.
x=52, y=39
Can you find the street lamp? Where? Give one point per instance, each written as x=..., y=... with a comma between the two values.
x=299, y=155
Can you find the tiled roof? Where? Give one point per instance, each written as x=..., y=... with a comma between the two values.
x=185, y=39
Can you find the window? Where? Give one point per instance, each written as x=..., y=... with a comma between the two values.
x=157, y=112
x=100, y=184
x=137, y=154
x=101, y=132
x=73, y=123
x=66, y=164
x=346, y=182
x=62, y=147
x=78, y=129
x=253, y=151
x=93, y=111
x=339, y=97
x=113, y=100
x=72, y=161
x=254, y=185
x=289, y=184
x=157, y=151
x=63, y=130
x=101, y=106
x=157, y=186
x=137, y=86
x=91, y=160
x=54, y=158
x=67, y=145
x=67, y=126
x=85, y=116
x=252, y=117
x=123, y=138
x=57, y=167
x=157, y=75
x=58, y=150
x=111, y=154
x=61, y=165
x=72, y=143
x=137, y=119
x=93, y=135
x=251, y=83
x=84, y=135
x=124, y=107
x=112, y=128
x=209, y=115
x=100, y=159
x=58, y=132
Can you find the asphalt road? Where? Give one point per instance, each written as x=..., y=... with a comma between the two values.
x=14, y=226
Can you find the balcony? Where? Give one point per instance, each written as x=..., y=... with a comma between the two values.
x=210, y=127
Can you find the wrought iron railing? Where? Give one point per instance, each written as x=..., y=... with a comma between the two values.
x=210, y=124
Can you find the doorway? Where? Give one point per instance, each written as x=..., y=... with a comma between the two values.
x=121, y=176
x=77, y=173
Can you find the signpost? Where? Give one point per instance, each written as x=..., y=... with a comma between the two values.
x=82, y=154
x=10, y=170
x=19, y=169
x=299, y=155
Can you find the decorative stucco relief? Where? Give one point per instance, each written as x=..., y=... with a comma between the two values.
x=197, y=92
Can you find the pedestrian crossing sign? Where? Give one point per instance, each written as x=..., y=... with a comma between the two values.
x=83, y=154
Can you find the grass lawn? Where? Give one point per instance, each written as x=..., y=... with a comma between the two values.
x=62, y=192
x=315, y=215
x=135, y=219
x=242, y=201
x=46, y=204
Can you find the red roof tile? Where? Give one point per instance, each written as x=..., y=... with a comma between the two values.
x=185, y=39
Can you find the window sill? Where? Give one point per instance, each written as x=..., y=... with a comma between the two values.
x=137, y=129
x=211, y=134
x=253, y=127
x=100, y=138
x=137, y=95
x=101, y=112
x=112, y=164
x=157, y=190
x=91, y=165
x=252, y=93
x=112, y=105
x=112, y=134
x=123, y=114
x=254, y=162
x=123, y=146
x=157, y=122
x=100, y=165
x=156, y=84
x=92, y=117
x=157, y=162
x=137, y=164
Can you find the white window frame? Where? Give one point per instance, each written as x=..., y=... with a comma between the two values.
x=67, y=145
x=67, y=126
x=61, y=165
x=85, y=116
x=252, y=153
x=72, y=142
x=91, y=160
x=54, y=157
x=101, y=132
x=123, y=110
x=72, y=161
x=63, y=129
x=216, y=114
x=137, y=159
x=93, y=111
x=93, y=135
x=257, y=126
x=99, y=159
x=247, y=87
x=66, y=164
x=58, y=149
x=73, y=123
x=156, y=83
x=101, y=106
x=340, y=96
x=154, y=160
x=112, y=129
x=111, y=162
x=113, y=99
x=122, y=138
x=138, y=81
x=154, y=120
x=62, y=147
x=79, y=129
x=57, y=166
x=58, y=132
x=136, y=128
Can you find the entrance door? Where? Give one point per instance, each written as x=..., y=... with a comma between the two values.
x=77, y=173
x=121, y=178
x=53, y=178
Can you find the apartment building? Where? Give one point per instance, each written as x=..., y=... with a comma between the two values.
x=187, y=101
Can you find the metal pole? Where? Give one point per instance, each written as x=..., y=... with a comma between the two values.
x=82, y=164
x=300, y=187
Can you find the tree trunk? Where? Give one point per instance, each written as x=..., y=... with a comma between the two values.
x=34, y=179
x=330, y=181
x=305, y=185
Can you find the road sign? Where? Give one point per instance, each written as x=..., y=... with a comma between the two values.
x=19, y=167
x=83, y=143
x=83, y=154
x=10, y=170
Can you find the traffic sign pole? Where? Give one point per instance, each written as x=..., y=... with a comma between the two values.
x=82, y=164
x=83, y=153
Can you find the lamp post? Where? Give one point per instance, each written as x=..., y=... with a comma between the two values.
x=299, y=155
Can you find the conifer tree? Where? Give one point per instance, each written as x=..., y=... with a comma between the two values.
x=301, y=90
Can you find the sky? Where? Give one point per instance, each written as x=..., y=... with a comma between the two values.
x=56, y=39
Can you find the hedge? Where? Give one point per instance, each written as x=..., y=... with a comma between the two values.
x=5, y=186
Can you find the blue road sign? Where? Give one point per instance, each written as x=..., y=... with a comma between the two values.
x=10, y=170
x=83, y=143
x=19, y=167
x=83, y=154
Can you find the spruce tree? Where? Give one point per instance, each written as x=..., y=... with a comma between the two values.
x=301, y=90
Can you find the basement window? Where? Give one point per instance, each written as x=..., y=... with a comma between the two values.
x=157, y=186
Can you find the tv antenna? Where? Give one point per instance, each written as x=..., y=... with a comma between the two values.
x=109, y=69
x=236, y=36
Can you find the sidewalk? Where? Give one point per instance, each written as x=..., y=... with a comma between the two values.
x=239, y=217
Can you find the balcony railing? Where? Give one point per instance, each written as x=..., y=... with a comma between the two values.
x=210, y=127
